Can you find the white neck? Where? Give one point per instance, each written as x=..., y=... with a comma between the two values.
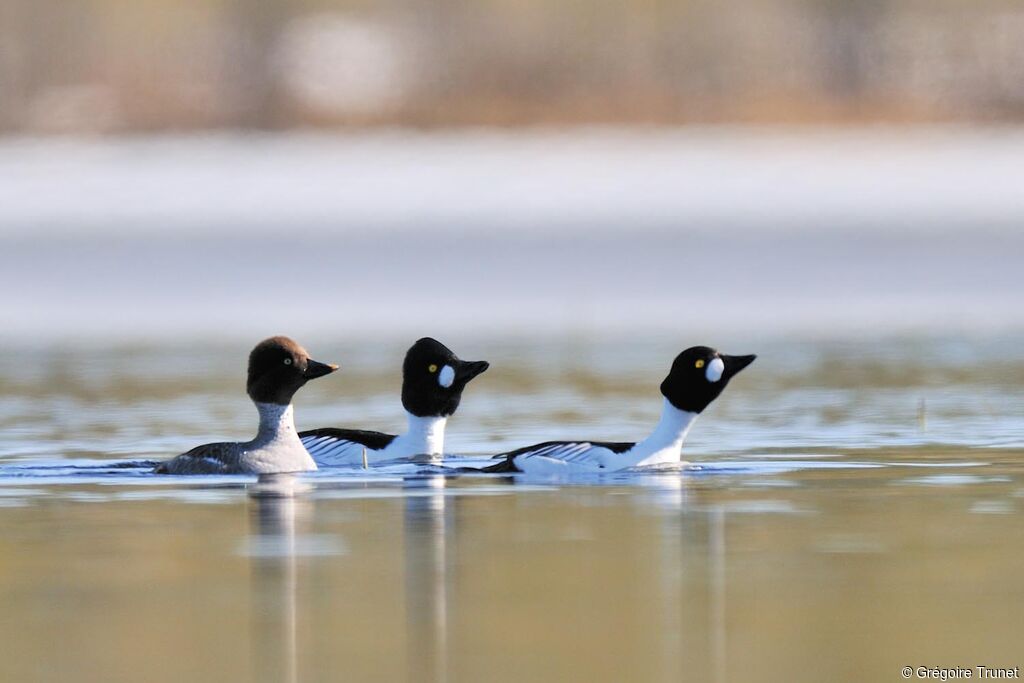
x=277, y=423
x=277, y=447
x=665, y=444
x=425, y=436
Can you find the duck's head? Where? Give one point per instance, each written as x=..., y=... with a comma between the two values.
x=278, y=367
x=698, y=376
x=433, y=378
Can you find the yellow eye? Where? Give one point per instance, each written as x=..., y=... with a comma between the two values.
x=700, y=363
x=432, y=368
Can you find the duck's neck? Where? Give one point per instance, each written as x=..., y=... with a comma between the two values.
x=277, y=447
x=277, y=426
x=425, y=435
x=665, y=444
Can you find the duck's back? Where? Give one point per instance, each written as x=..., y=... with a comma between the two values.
x=331, y=446
x=577, y=455
x=210, y=458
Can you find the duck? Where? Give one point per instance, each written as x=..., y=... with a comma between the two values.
x=697, y=377
x=433, y=379
x=278, y=367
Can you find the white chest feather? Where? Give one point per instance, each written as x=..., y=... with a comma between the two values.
x=425, y=436
x=665, y=444
x=277, y=447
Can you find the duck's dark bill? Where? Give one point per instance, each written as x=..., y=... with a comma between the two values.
x=469, y=369
x=734, y=364
x=316, y=369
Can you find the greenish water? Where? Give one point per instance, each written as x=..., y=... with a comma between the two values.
x=849, y=509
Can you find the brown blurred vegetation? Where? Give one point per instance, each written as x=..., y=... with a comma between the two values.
x=130, y=65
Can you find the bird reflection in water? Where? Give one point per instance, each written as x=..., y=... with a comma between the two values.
x=430, y=533
x=276, y=513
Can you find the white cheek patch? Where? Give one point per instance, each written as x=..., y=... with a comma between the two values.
x=446, y=376
x=715, y=370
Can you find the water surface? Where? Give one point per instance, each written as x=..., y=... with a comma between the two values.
x=848, y=509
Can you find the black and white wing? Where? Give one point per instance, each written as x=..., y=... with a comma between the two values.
x=210, y=458
x=330, y=446
x=560, y=456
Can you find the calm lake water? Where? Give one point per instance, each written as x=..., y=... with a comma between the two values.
x=853, y=503
x=849, y=509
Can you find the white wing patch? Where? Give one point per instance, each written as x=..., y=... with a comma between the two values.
x=568, y=456
x=329, y=450
x=212, y=462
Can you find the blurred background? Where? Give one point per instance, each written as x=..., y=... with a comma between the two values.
x=775, y=167
x=155, y=65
